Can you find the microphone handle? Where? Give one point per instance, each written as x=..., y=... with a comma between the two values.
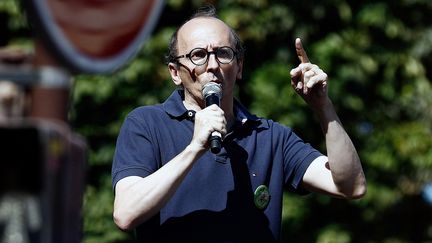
x=215, y=138
x=215, y=142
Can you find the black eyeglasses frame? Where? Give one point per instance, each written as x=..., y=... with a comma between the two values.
x=215, y=52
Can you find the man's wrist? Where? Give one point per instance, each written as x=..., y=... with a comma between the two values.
x=195, y=148
x=325, y=108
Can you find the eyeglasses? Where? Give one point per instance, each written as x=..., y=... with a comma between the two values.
x=199, y=56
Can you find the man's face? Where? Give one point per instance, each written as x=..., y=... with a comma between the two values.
x=210, y=34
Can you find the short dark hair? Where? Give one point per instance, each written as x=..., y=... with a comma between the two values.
x=205, y=11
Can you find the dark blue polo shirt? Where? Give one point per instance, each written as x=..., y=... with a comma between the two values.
x=215, y=202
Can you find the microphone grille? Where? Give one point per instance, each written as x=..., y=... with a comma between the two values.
x=212, y=88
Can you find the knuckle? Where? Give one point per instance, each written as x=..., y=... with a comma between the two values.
x=309, y=74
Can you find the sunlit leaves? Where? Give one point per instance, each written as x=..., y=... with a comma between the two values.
x=13, y=8
x=334, y=234
x=274, y=96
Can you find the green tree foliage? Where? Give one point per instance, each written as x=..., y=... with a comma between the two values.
x=378, y=55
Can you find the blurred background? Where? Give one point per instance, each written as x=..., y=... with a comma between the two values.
x=378, y=55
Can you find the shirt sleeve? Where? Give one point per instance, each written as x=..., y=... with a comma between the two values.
x=134, y=154
x=298, y=155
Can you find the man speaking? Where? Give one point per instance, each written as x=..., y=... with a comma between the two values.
x=170, y=187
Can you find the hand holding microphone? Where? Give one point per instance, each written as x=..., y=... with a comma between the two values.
x=212, y=93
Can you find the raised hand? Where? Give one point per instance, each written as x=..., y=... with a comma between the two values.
x=308, y=80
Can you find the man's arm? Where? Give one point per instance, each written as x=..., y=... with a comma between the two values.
x=339, y=174
x=342, y=174
x=137, y=199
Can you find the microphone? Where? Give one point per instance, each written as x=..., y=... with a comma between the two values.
x=212, y=93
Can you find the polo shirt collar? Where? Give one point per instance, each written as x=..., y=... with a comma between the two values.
x=174, y=104
x=242, y=114
x=174, y=107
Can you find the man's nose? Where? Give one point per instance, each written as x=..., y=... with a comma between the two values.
x=212, y=61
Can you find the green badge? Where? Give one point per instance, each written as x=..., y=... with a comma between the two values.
x=261, y=197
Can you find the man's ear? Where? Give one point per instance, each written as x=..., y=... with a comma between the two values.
x=175, y=73
x=240, y=69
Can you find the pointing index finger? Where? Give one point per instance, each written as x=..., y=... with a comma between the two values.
x=301, y=53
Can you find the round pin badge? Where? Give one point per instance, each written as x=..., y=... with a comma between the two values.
x=261, y=197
